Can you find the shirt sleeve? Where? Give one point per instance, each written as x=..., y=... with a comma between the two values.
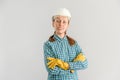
x=49, y=53
x=78, y=65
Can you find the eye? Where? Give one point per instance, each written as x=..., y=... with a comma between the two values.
x=64, y=22
x=58, y=21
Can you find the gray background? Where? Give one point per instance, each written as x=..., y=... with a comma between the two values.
x=26, y=24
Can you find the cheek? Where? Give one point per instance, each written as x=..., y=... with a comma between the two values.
x=66, y=27
x=53, y=24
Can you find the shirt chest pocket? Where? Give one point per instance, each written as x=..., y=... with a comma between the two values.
x=60, y=53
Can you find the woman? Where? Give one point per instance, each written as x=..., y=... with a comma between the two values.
x=63, y=56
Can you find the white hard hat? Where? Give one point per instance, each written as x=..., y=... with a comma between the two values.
x=62, y=12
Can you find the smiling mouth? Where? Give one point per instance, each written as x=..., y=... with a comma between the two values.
x=59, y=28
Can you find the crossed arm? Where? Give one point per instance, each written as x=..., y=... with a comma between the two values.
x=57, y=66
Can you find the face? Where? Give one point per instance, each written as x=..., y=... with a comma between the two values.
x=60, y=24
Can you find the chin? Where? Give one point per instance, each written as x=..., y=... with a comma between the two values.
x=60, y=32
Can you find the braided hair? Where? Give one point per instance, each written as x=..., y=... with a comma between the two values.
x=70, y=40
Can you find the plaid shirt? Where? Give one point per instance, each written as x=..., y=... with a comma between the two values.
x=61, y=49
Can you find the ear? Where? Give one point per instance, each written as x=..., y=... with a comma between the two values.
x=68, y=24
x=53, y=23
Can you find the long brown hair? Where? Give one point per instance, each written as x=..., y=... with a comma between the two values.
x=70, y=40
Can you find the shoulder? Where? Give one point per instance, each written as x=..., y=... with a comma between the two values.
x=76, y=44
x=48, y=43
x=70, y=40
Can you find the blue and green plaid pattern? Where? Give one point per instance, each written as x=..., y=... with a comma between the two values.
x=61, y=49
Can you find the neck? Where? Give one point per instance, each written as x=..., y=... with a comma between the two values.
x=61, y=35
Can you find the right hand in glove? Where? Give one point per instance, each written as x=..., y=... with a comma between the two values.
x=57, y=62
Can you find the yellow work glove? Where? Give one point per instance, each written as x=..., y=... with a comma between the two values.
x=57, y=62
x=52, y=63
x=80, y=57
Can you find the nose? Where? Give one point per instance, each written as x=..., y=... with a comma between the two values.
x=61, y=23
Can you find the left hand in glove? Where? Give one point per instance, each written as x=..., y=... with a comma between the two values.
x=80, y=57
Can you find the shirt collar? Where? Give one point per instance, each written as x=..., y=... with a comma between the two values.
x=59, y=38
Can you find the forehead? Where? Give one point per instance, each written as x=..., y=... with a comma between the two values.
x=61, y=17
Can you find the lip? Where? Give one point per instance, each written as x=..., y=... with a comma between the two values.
x=59, y=28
